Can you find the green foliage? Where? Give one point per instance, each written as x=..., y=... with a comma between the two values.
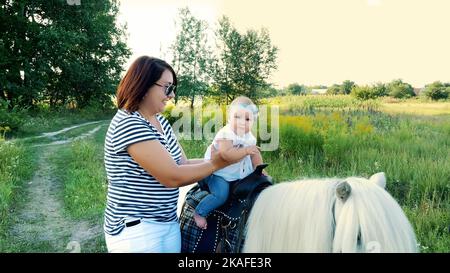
x=81, y=169
x=297, y=89
x=347, y=86
x=299, y=105
x=399, y=89
x=298, y=141
x=437, y=91
x=379, y=90
x=191, y=57
x=243, y=62
x=344, y=89
x=369, y=92
x=10, y=119
x=269, y=92
x=60, y=54
x=335, y=89
x=15, y=167
x=362, y=92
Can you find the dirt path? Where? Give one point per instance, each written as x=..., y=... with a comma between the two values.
x=40, y=224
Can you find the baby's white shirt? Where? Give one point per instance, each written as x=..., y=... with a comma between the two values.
x=239, y=169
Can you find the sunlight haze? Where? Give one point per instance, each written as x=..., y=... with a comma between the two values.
x=320, y=41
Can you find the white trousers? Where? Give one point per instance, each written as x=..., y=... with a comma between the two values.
x=146, y=237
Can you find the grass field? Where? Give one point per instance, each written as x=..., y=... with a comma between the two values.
x=319, y=137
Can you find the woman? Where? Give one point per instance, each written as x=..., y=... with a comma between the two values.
x=145, y=164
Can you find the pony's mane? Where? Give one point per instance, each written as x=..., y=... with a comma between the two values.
x=372, y=213
x=284, y=213
x=298, y=217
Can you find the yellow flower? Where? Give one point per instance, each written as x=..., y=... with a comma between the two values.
x=363, y=128
x=302, y=122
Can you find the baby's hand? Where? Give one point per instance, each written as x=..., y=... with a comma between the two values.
x=252, y=150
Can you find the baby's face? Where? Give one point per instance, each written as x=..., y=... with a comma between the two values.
x=241, y=121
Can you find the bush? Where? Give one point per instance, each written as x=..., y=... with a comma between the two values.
x=369, y=92
x=10, y=119
x=399, y=89
x=362, y=92
x=335, y=89
x=296, y=89
x=379, y=90
x=436, y=91
x=344, y=89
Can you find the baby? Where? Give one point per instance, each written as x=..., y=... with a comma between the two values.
x=233, y=141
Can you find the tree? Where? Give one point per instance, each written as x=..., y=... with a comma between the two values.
x=335, y=89
x=379, y=90
x=191, y=56
x=399, y=89
x=243, y=63
x=297, y=89
x=366, y=92
x=269, y=92
x=60, y=53
x=437, y=91
x=346, y=87
x=363, y=92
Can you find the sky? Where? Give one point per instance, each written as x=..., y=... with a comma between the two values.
x=319, y=41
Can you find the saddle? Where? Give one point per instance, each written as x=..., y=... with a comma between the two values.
x=226, y=224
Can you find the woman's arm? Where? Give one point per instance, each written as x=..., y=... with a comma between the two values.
x=155, y=159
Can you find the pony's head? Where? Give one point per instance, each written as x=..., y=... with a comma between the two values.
x=329, y=215
x=368, y=219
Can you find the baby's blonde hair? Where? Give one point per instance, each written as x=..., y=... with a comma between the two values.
x=243, y=102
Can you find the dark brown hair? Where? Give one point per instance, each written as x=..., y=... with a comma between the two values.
x=142, y=74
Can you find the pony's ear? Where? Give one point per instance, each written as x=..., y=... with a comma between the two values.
x=343, y=191
x=379, y=179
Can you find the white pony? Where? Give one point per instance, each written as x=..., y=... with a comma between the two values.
x=329, y=215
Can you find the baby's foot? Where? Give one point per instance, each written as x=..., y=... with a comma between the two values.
x=200, y=221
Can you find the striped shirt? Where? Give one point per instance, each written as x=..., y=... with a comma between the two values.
x=134, y=193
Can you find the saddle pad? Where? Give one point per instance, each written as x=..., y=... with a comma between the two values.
x=197, y=240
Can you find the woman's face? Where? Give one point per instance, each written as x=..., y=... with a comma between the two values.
x=241, y=121
x=155, y=100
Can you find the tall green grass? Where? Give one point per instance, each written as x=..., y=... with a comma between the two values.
x=299, y=105
x=414, y=152
x=415, y=155
x=80, y=167
x=16, y=167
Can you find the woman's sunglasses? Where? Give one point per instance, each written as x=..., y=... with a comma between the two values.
x=169, y=88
